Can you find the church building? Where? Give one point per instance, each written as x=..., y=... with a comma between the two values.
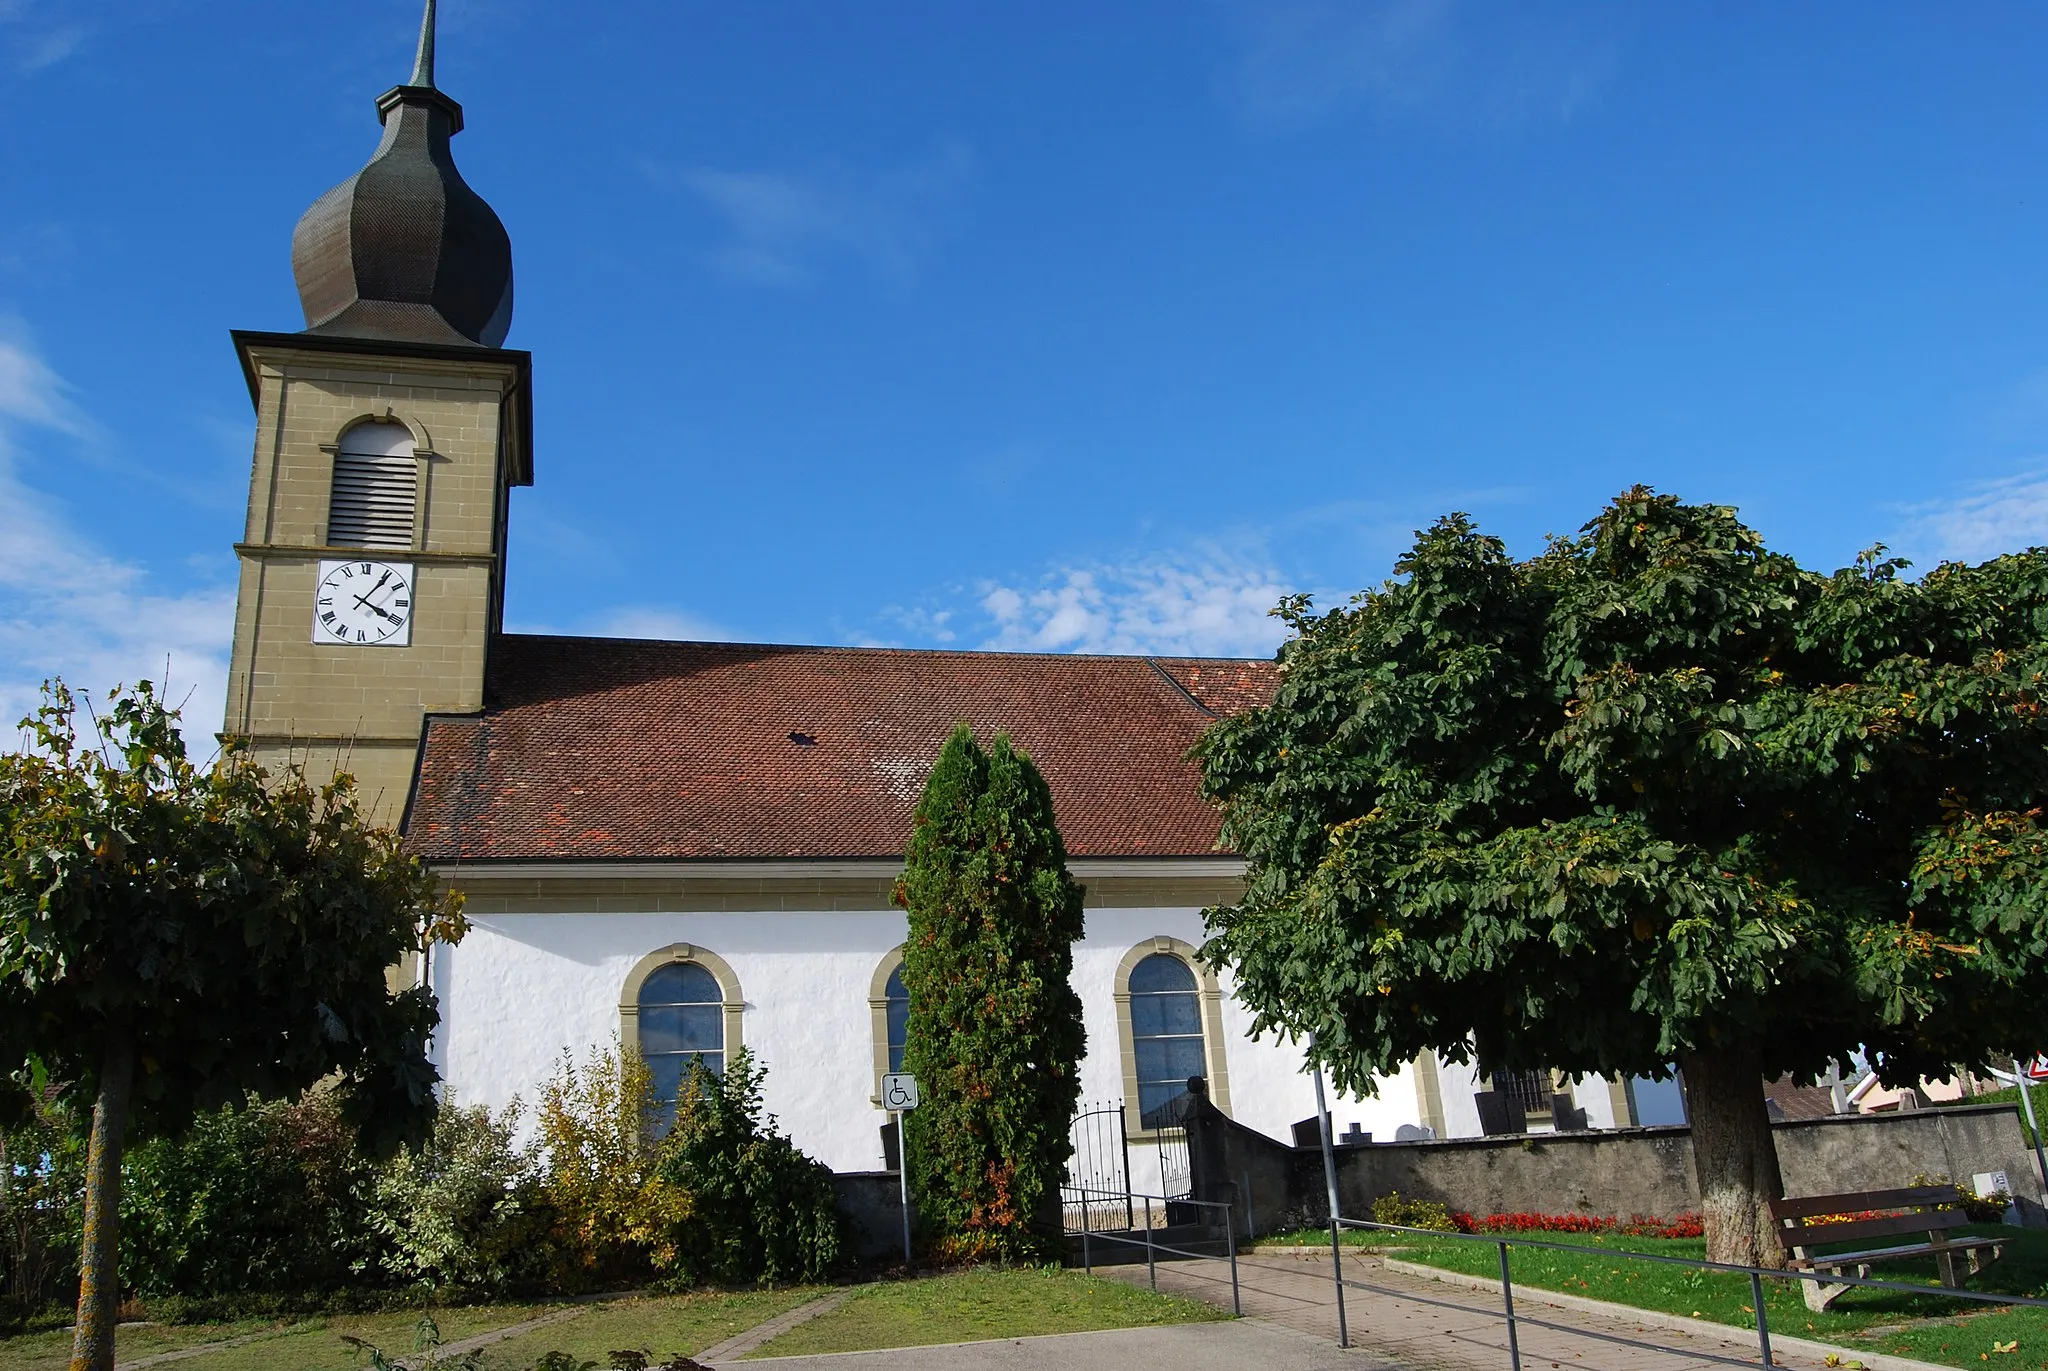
x=687, y=847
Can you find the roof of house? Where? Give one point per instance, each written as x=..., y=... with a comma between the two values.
x=596, y=749
x=1797, y=1101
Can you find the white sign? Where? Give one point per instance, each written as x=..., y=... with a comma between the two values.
x=2037, y=1069
x=899, y=1092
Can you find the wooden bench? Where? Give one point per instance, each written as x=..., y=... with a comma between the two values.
x=1813, y=1221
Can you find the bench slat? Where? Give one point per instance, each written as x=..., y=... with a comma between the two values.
x=1806, y=1206
x=1835, y=1259
x=1927, y=1221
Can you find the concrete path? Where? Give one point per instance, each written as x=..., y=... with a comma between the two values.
x=733, y=1348
x=1246, y=1345
x=1294, y=1288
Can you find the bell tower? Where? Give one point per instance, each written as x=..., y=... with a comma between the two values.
x=388, y=436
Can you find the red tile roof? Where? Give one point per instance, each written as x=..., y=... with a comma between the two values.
x=611, y=749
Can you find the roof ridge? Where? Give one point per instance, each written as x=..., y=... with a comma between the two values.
x=1175, y=682
x=880, y=651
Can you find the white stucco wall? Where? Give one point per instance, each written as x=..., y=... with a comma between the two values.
x=522, y=988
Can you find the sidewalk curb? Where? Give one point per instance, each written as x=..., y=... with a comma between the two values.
x=1677, y=1323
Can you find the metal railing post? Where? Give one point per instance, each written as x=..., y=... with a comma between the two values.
x=1230, y=1236
x=1507, y=1295
x=1087, y=1258
x=1151, y=1269
x=1330, y=1179
x=1763, y=1326
x=1123, y=1138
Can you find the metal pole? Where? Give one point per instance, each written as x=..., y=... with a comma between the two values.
x=1251, y=1224
x=2027, y=1099
x=1507, y=1295
x=1123, y=1133
x=1230, y=1236
x=1330, y=1180
x=1763, y=1327
x=1087, y=1259
x=1151, y=1270
x=903, y=1182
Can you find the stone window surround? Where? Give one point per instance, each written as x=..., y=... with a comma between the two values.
x=1210, y=991
x=422, y=451
x=878, y=1017
x=733, y=1003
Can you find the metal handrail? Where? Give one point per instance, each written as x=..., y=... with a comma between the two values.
x=1755, y=1274
x=1152, y=1248
x=1702, y=1264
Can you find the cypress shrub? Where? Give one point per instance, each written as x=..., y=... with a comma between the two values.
x=994, y=1035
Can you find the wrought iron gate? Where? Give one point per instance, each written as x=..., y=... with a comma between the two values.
x=1098, y=1186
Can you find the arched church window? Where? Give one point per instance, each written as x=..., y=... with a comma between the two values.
x=1166, y=1033
x=681, y=1020
x=376, y=488
x=898, y=1017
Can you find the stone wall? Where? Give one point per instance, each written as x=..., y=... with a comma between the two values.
x=1618, y=1172
x=872, y=1204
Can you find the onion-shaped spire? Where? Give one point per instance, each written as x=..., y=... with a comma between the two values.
x=404, y=250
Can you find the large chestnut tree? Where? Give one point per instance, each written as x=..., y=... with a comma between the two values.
x=1656, y=797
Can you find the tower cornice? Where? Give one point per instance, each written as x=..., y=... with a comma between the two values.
x=471, y=360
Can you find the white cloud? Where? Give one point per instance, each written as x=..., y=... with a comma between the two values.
x=1303, y=60
x=784, y=228
x=70, y=609
x=29, y=391
x=1191, y=606
x=652, y=621
x=36, y=45
x=1986, y=520
x=638, y=621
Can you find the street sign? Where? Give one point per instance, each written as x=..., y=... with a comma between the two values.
x=899, y=1092
x=2037, y=1069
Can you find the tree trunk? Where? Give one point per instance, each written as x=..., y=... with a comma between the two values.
x=1733, y=1154
x=99, y=1290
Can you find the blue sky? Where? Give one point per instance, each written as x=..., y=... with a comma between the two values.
x=1054, y=326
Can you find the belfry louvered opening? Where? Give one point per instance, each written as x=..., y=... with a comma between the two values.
x=376, y=488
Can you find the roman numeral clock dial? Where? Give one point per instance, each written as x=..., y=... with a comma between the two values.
x=364, y=604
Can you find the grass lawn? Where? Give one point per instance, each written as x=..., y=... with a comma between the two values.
x=973, y=1305
x=1928, y=1327
x=660, y=1325
x=313, y=1344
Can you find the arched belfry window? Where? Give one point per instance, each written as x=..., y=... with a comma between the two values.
x=376, y=488
x=1170, y=1015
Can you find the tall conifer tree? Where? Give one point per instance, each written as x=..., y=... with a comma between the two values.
x=994, y=1035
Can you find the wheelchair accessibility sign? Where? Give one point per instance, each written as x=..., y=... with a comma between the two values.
x=899, y=1092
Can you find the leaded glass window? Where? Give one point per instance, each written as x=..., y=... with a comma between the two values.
x=682, y=1019
x=897, y=1014
x=1166, y=1033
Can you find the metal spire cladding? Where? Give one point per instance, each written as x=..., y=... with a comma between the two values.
x=404, y=250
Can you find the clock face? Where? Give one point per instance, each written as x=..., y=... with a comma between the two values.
x=364, y=604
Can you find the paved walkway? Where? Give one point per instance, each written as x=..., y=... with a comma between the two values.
x=1294, y=1289
x=1246, y=1345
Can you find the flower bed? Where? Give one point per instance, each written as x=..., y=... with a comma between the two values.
x=1685, y=1225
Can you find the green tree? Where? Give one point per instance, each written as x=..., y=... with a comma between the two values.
x=176, y=937
x=262, y=1196
x=1656, y=796
x=760, y=1210
x=994, y=1034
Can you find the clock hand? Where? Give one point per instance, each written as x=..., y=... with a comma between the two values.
x=376, y=609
